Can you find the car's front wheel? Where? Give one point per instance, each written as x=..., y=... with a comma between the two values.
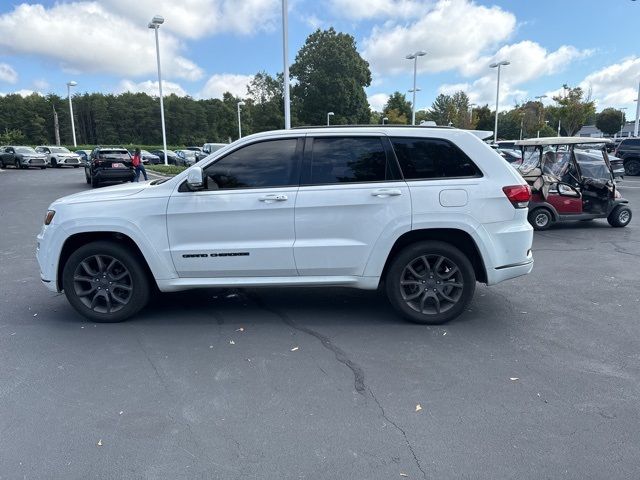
x=632, y=167
x=430, y=282
x=105, y=282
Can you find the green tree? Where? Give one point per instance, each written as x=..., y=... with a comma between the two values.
x=452, y=109
x=330, y=77
x=484, y=118
x=573, y=110
x=398, y=102
x=610, y=121
x=266, y=105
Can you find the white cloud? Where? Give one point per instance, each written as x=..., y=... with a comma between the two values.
x=455, y=33
x=225, y=82
x=377, y=101
x=22, y=92
x=614, y=85
x=359, y=10
x=84, y=37
x=7, y=73
x=202, y=18
x=41, y=84
x=150, y=87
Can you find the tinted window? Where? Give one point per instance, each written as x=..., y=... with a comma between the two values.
x=259, y=165
x=347, y=160
x=432, y=158
x=631, y=143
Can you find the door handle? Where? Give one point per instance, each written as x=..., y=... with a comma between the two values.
x=386, y=192
x=274, y=198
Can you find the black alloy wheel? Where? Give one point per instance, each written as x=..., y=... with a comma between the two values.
x=105, y=282
x=430, y=282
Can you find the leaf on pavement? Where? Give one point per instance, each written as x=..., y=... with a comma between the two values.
x=231, y=342
x=418, y=407
x=402, y=474
x=294, y=349
x=99, y=443
x=513, y=379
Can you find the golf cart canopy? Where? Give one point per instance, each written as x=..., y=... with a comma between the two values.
x=545, y=141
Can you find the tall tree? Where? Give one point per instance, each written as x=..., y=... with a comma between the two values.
x=573, y=109
x=452, y=109
x=330, y=77
x=401, y=106
x=610, y=121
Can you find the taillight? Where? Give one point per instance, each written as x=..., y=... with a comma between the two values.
x=518, y=195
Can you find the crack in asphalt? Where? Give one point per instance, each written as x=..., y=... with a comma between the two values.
x=341, y=355
x=401, y=430
x=619, y=249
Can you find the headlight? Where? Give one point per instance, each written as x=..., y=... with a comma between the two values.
x=49, y=216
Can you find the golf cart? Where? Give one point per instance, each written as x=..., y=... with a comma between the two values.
x=570, y=181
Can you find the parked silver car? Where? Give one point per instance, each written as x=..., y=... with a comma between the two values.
x=59, y=156
x=22, y=157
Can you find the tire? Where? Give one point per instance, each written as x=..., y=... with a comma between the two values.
x=43, y=168
x=123, y=286
x=620, y=216
x=419, y=293
x=16, y=164
x=76, y=166
x=540, y=219
x=632, y=167
x=95, y=183
x=86, y=177
x=54, y=163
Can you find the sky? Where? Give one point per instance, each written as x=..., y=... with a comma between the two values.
x=212, y=46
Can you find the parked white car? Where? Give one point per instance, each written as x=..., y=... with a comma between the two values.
x=426, y=212
x=59, y=156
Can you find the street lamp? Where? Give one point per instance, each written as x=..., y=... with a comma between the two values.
x=499, y=65
x=70, y=84
x=414, y=57
x=539, y=99
x=384, y=120
x=154, y=24
x=329, y=115
x=622, y=109
x=285, y=60
x=239, y=123
x=471, y=112
x=635, y=129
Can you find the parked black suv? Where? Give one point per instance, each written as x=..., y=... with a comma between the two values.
x=108, y=164
x=629, y=152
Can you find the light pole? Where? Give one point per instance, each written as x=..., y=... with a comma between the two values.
x=622, y=109
x=414, y=57
x=239, y=122
x=559, y=124
x=285, y=59
x=70, y=84
x=539, y=99
x=635, y=129
x=471, y=113
x=499, y=65
x=384, y=120
x=154, y=24
x=329, y=115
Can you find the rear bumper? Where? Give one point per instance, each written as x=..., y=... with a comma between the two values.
x=500, y=274
x=114, y=175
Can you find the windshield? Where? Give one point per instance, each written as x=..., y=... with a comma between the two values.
x=25, y=150
x=115, y=153
x=188, y=153
x=59, y=150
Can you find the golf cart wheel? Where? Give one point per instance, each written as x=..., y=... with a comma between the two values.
x=540, y=219
x=105, y=282
x=632, y=167
x=430, y=282
x=620, y=216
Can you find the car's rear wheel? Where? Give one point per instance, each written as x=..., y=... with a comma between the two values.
x=430, y=282
x=540, y=219
x=632, y=167
x=16, y=164
x=43, y=168
x=105, y=282
x=620, y=216
x=54, y=163
x=95, y=183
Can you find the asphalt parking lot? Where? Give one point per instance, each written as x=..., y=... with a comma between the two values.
x=539, y=379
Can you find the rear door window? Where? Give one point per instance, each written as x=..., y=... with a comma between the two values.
x=347, y=160
x=430, y=158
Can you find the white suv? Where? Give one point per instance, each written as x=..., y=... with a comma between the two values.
x=424, y=211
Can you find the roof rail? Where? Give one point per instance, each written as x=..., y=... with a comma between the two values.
x=378, y=125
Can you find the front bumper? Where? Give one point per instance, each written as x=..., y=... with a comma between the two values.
x=33, y=162
x=47, y=253
x=114, y=175
x=68, y=161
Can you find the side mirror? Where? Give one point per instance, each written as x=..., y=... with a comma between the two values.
x=195, y=179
